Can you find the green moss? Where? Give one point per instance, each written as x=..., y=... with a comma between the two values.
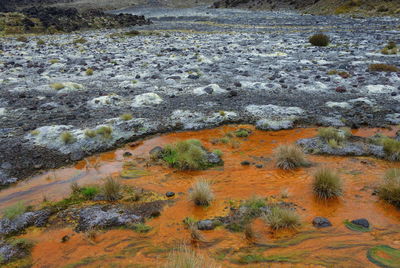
x=141, y=228
x=89, y=71
x=384, y=256
x=54, y=61
x=57, y=86
x=89, y=192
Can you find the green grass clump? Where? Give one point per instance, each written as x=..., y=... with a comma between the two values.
x=333, y=136
x=201, y=193
x=391, y=147
x=389, y=190
x=89, y=192
x=184, y=257
x=126, y=117
x=90, y=133
x=186, y=155
x=253, y=206
x=89, y=71
x=111, y=189
x=380, y=67
x=57, y=86
x=14, y=211
x=242, y=133
x=105, y=132
x=67, y=137
x=141, y=228
x=390, y=49
x=290, y=157
x=327, y=184
x=320, y=40
x=282, y=218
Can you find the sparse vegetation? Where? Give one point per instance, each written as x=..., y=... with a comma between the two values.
x=242, y=133
x=186, y=155
x=15, y=210
x=380, y=67
x=390, y=48
x=141, y=228
x=333, y=136
x=327, y=184
x=22, y=39
x=126, y=117
x=282, y=218
x=201, y=193
x=389, y=190
x=105, y=132
x=80, y=41
x=111, y=189
x=290, y=157
x=89, y=192
x=184, y=257
x=320, y=40
x=67, y=137
x=54, y=61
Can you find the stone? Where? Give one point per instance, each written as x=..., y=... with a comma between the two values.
x=213, y=158
x=321, y=222
x=361, y=222
x=169, y=194
x=156, y=152
x=205, y=225
x=245, y=163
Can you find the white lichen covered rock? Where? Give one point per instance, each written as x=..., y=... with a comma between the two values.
x=146, y=99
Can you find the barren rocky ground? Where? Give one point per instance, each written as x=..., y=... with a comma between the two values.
x=191, y=69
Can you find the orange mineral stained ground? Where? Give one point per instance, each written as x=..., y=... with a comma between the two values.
x=336, y=246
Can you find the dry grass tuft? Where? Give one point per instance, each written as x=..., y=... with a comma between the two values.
x=290, y=157
x=201, y=193
x=327, y=184
x=184, y=257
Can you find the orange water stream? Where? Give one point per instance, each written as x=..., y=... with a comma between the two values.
x=307, y=247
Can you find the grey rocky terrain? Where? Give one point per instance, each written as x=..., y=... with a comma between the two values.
x=191, y=69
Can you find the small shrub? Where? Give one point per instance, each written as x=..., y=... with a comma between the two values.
x=80, y=41
x=57, y=86
x=67, y=137
x=320, y=40
x=391, y=147
x=105, y=132
x=111, y=189
x=184, y=257
x=126, y=117
x=290, y=157
x=389, y=190
x=186, y=155
x=15, y=210
x=89, y=71
x=90, y=133
x=40, y=42
x=282, y=218
x=201, y=193
x=380, y=67
x=327, y=184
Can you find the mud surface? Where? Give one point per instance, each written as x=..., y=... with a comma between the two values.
x=233, y=183
x=203, y=68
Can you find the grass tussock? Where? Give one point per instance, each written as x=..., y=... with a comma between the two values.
x=380, y=67
x=333, y=136
x=391, y=147
x=89, y=71
x=90, y=133
x=184, y=257
x=111, y=189
x=389, y=190
x=67, y=137
x=126, y=117
x=282, y=218
x=201, y=193
x=327, y=184
x=320, y=40
x=186, y=155
x=105, y=132
x=290, y=157
x=390, y=48
x=15, y=210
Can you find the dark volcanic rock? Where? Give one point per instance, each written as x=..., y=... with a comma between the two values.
x=14, y=226
x=321, y=222
x=361, y=222
x=9, y=252
x=205, y=225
